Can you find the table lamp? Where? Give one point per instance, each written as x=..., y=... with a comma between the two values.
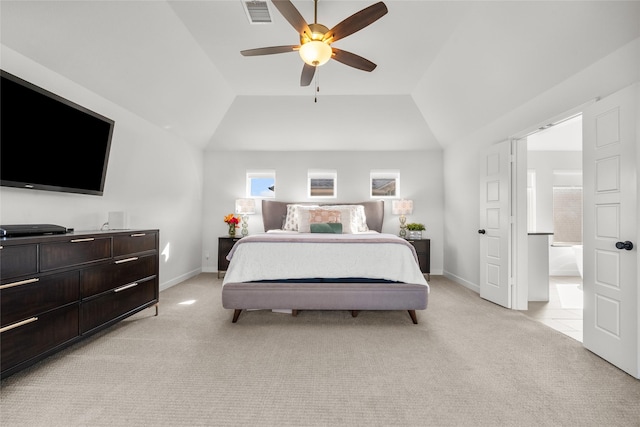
x=402, y=208
x=245, y=207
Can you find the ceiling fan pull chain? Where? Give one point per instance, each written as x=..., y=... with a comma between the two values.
x=317, y=77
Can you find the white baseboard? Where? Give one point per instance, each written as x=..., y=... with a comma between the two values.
x=462, y=282
x=565, y=272
x=179, y=279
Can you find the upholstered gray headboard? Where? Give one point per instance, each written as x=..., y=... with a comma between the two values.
x=273, y=213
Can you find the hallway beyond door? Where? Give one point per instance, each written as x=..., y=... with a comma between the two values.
x=563, y=311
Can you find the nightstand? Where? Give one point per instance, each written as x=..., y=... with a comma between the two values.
x=224, y=247
x=423, y=250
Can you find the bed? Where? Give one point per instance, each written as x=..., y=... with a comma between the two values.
x=298, y=264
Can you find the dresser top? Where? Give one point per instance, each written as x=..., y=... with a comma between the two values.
x=21, y=240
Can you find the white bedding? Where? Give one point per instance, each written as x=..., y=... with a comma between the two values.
x=274, y=256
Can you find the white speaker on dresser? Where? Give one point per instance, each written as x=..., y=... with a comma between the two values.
x=117, y=220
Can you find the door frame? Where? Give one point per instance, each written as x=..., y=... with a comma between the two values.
x=519, y=202
x=520, y=233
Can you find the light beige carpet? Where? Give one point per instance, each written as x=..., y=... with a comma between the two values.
x=468, y=362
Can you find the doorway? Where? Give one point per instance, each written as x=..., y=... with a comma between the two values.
x=554, y=214
x=610, y=163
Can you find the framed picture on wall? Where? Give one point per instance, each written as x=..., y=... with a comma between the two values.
x=322, y=183
x=261, y=184
x=384, y=183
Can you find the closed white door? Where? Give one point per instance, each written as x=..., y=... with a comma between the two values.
x=495, y=175
x=611, y=229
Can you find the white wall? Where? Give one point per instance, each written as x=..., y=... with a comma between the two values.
x=545, y=163
x=420, y=180
x=461, y=167
x=152, y=175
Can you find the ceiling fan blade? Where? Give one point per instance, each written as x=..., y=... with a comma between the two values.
x=353, y=60
x=356, y=22
x=269, y=50
x=291, y=14
x=308, y=72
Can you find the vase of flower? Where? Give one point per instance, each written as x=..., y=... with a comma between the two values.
x=232, y=222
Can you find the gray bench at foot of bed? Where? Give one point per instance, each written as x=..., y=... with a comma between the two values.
x=325, y=296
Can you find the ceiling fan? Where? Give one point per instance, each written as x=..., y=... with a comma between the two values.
x=316, y=39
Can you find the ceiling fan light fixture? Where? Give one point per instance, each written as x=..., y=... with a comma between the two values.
x=315, y=53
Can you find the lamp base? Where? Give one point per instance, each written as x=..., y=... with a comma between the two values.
x=403, y=227
x=245, y=226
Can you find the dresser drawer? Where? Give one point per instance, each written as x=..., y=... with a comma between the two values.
x=41, y=334
x=18, y=260
x=21, y=300
x=134, y=243
x=74, y=252
x=100, y=279
x=110, y=306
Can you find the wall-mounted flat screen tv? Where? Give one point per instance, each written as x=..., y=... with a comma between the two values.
x=50, y=143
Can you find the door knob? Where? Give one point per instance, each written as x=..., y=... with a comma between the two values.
x=624, y=245
x=481, y=231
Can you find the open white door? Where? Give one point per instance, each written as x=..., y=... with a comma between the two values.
x=495, y=219
x=610, y=229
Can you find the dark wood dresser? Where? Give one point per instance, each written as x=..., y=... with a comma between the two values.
x=57, y=289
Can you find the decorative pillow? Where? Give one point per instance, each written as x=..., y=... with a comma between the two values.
x=326, y=227
x=352, y=217
x=315, y=214
x=324, y=215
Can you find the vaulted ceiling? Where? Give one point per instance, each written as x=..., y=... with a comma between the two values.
x=445, y=69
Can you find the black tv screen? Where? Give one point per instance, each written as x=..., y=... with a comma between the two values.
x=50, y=143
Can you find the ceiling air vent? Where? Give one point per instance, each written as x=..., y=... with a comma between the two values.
x=257, y=12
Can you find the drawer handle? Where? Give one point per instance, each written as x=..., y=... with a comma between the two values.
x=120, y=261
x=122, y=288
x=21, y=282
x=17, y=325
x=89, y=239
x=138, y=234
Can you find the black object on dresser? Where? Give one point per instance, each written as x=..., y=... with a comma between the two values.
x=423, y=250
x=30, y=230
x=224, y=247
x=58, y=289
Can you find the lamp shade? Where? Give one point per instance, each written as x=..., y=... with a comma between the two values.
x=402, y=207
x=245, y=206
x=315, y=53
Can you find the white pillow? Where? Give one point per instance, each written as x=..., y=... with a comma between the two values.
x=354, y=215
x=360, y=218
x=304, y=218
x=291, y=220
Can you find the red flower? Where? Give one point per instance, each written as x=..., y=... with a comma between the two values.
x=230, y=219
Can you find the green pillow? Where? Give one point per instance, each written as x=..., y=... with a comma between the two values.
x=326, y=227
